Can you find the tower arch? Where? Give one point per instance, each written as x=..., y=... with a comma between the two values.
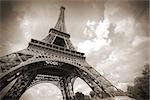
x=53, y=61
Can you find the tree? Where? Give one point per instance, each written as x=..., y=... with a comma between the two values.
x=79, y=96
x=94, y=96
x=140, y=90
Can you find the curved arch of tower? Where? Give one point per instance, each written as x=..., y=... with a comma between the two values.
x=54, y=60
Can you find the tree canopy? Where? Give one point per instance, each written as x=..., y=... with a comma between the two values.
x=140, y=90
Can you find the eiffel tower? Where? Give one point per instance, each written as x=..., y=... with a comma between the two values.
x=53, y=59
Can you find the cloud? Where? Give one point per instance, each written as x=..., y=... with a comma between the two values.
x=81, y=86
x=25, y=26
x=124, y=53
x=115, y=38
x=42, y=91
x=101, y=36
x=122, y=86
x=138, y=40
x=127, y=26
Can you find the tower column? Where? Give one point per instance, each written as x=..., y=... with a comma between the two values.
x=67, y=88
x=60, y=25
x=19, y=87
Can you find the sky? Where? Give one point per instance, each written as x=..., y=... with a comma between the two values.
x=113, y=34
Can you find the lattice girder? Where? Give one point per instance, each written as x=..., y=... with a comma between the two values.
x=61, y=82
x=57, y=64
x=53, y=54
x=9, y=61
x=19, y=87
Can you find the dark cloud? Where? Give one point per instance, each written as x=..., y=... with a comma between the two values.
x=140, y=10
x=10, y=33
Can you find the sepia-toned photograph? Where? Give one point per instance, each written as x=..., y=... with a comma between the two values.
x=74, y=50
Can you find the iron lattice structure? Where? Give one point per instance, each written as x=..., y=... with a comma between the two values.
x=55, y=60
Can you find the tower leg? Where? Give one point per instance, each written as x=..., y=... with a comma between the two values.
x=19, y=86
x=67, y=89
